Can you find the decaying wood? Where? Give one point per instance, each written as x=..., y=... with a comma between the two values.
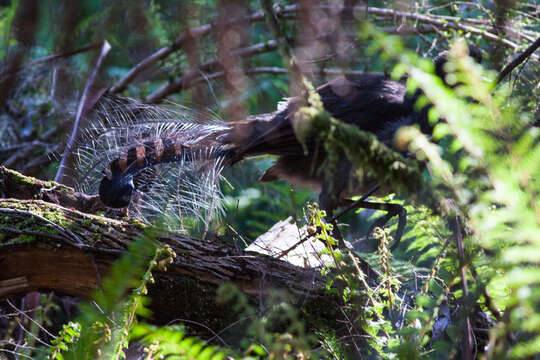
x=47, y=244
x=286, y=241
x=18, y=186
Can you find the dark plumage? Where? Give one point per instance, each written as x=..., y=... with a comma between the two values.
x=372, y=102
x=116, y=192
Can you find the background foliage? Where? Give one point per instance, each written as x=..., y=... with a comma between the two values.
x=483, y=172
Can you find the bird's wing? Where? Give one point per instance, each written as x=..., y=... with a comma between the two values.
x=369, y=101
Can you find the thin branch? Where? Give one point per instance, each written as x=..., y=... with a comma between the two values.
x=409, y=30
x=272, y=70
x=63, y=55
x=188, y=35
x=23, y=313
x=25, y=152
x=21, y=326
x=35, y=143
x=275, y=27
x=517, y=61
x=60, y=177
x=442, y=22
x=215, y=335
x=49, y=58
x=179, y=83
x=286, y=12
x=15, y=353
x=230, y=326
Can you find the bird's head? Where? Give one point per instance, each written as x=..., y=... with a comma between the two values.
x=116, y=192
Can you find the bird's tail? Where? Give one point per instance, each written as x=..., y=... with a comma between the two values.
x=172, y=156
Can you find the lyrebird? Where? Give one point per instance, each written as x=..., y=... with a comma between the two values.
x=372, y=102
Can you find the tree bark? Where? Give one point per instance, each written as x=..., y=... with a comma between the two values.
x=48, y=244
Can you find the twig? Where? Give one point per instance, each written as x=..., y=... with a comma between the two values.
x=294, y=246
x=48, y=136
x=21, y=326
x=15, y=352
x=273, y=22
x=273, y=70
x=76, y=125
x=12, y=342
x=409, y=30
x=63, y=55
x=188, y=35
x=180, y=82
x=281, y=71
x=350, y=328
x=23, y=313
x=443, y=22
x=34, y=143
x=216, y=335
x=517, y=61
x=229, y=326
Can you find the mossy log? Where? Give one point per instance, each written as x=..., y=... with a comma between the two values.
x=46, y=244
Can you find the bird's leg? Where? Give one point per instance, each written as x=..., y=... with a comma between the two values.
x=392, y=210
x=356, y=204
x=330, y=195
x=327, y=203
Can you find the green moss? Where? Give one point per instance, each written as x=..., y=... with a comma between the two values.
x=21, y=239
x=102, y=220
x=28, y=180
x=137, y=223
x=363, y=150
x=39, y=208
x=48, y=230
x=20, y=178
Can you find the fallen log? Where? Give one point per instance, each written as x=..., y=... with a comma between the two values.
x=46, y=244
